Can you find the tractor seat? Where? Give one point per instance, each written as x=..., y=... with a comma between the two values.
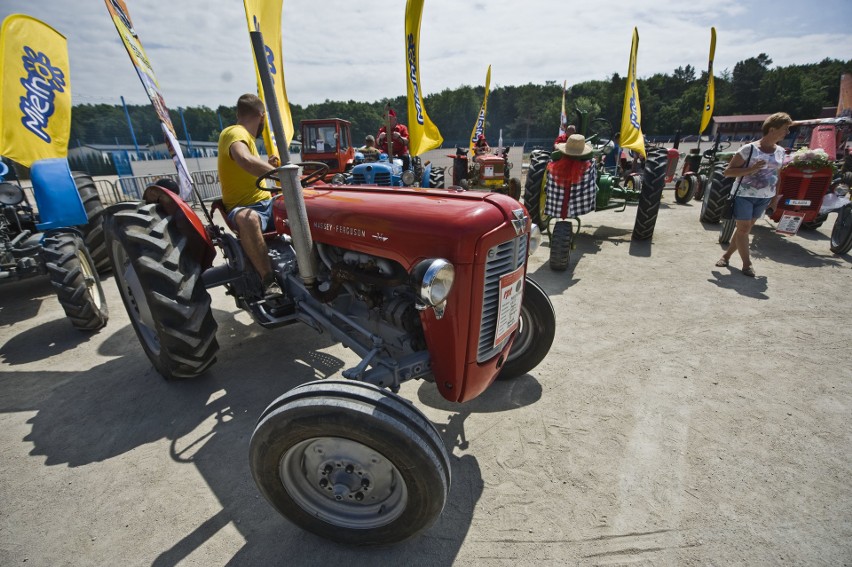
x=219, y=205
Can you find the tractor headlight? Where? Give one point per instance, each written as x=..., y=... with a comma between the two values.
x=408, y=178
x=434, y=280
x=535, y=239
x=10, y=194
x=338, y=179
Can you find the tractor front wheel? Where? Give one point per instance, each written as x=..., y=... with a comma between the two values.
x=515, y=188
x=350, y=462
x=699, y=191
x=535, y=333
x=93, y=231
x=728, y=226
x=159, y=280
x=816, y=223
x=685, y=188
x=560, y=245
x=653, y=183
x=535, y=185
x=73, y=275
x=841, y=234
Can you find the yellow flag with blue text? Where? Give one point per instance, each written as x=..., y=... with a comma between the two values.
x=423, y=135
x=479, y=127
x=707, y=114
x=35, y=90
x=265, y=16
x=563, y=116
x=631, y=116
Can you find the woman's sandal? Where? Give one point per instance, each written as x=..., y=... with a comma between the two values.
x=722, y=263
x=748, y=271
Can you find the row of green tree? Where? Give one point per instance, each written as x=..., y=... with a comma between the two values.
x=668, y=102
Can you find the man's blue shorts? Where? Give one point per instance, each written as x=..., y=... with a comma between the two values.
x=263, y=208
x=750, y=208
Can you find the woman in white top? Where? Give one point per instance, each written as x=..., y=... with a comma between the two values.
x=757, y=165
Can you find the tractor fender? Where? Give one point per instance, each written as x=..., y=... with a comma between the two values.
x=59, y=202
x=200, y=245
x=673, y=156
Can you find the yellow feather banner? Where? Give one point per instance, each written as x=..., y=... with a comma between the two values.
x=479, y=127
x=631, y=115
x=423, y=134
x=35, y=88
x=707, y=114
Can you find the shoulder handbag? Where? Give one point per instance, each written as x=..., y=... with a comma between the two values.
x=728, y=208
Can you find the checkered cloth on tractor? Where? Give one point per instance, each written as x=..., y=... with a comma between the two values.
x=567, y=200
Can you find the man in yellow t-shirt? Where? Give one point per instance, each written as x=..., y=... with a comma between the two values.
x=249, y=208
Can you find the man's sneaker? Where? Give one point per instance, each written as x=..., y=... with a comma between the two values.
x=272, y=290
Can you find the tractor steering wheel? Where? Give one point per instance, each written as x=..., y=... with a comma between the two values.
x=316, y=175
x=600, y=133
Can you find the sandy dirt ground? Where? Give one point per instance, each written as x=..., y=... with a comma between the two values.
x=686, y=415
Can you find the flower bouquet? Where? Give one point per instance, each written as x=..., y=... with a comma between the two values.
x=806, y=158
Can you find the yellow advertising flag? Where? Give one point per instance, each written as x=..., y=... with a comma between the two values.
x=423, y=135
x=124, y=26
x=707, y=114
x=631, y=116
x=35, y=89
x=563, y=117
x=265, y=16
x=479, y=127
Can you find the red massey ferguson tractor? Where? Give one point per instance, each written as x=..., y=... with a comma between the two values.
x=486, y=172
x=422, y=284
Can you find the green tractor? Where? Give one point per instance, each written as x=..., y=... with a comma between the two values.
x=617, y=183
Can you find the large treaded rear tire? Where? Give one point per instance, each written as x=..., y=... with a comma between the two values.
x=436, y=178
x=73, y=275
x=715, y=193
x=728, y=227
x=93, y=231
x=534, y=335
x=350, y=462
x=533, y=187
x=841, y=234
x=160, y=285
x=653, y=183
x=560, y=245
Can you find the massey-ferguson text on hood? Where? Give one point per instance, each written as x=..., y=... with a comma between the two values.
x=404, y=224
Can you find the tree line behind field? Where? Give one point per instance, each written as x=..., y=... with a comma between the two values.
x=669, y=102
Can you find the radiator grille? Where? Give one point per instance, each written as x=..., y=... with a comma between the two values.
x=502, y=259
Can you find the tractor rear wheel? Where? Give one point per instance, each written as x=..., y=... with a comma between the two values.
x=535, y=185
x=560, y=245
x=715, y=193
x=841, y=234
x=515, y=188
x=93, y=231
x=685, y=188
x=436, y=178
x=728, y=226
x=535, y=333
x=73, y=275
x=160, y=284
x=653, y=182
x=350, y=462
x=699, y=190
x=816, y=223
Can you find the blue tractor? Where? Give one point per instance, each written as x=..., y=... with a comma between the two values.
x=389, y=174
x=51, y=240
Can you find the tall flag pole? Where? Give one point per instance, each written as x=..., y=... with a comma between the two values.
x=423, y=134
x=707, y=114
x=121, y=18
x=35, y=90
x=265, y=16
x=563, y=118
x=479, y=127
x=631, y=115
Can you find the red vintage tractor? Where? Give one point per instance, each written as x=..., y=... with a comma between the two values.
x=327, y=141
x=422, y=284
x=487, y=172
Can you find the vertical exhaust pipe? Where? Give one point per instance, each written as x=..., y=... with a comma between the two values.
x=294, y=202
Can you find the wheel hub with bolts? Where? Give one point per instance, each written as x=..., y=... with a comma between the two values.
x=344, y=480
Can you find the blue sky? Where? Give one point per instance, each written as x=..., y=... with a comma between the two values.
x=341, y=50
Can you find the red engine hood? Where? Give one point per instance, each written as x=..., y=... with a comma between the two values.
x=403, y=224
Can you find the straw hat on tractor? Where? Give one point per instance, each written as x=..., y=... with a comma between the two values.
x=575, y=147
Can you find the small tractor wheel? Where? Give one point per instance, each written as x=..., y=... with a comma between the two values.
x=436, y=178
x=699, y=190
x=73, y=275
x=715, y=193
x=350, y=462
x=841, y=234
x=535, y=333
x=633, y=182
x=535, y=185
x=728, y=226
x=515, y=188
x=816, y=223
x=653, y=182
x=685, y=188
x=93, y=231
x=160, y=284
x=560, y=245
